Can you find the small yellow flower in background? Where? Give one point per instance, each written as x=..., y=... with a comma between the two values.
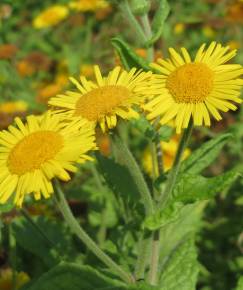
x=196, y=88
x=13, y=107
x=32, y=154
x=169, y=151
x=47, y=91
x=89, y=5
x=108, y=98
x=87, y=70
x=208, y=31
x=6, y=279
x=233, y=44
x=51, y=16
x=179, y=28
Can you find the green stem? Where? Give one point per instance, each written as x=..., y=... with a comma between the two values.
x=176, y=166
x=84, y=237
x=126, y=10
x=148, y=34
x=12, y=257
x=143, y=255
x=153, y=273
x=132, y=166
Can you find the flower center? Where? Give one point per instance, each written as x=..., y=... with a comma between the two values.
x=190, y=83
x=101, y=101
x=33, y=150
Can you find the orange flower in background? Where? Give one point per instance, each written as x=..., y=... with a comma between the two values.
x=47, y=91
x=6, y=279
x=8, y=51
x=235, y=12
x=51, y=16
x=13, y=107
x=87, y=70
x=103, y=142
x=103, y=13
x=33, y=62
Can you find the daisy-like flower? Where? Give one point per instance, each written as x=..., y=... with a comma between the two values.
x=107, y=98
x=196, y=88
x=89, y=5
x=32, y=154
x=51, y=16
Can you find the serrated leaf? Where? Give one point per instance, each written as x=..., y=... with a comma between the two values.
x=181, y=269
x=160, y=219
x=128, y=57
x=205, y=155
x=192, y=188
x=158, y=21
x=69, y=276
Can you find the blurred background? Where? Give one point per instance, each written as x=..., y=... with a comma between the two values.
x=42, y=43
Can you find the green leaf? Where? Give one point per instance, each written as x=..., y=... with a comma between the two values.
x=6, y=207
x=118, y=178
x=160, y=219
x=159, y=20
x=128, y=57
x=181, y=269
x=192, y=188
x=69, y=276
x=205, y=155
x=240, y=284
x=140, y=7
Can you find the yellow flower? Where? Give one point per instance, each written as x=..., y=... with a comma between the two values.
x=107, y=98
x=179, y=28
x=6, y=279
x=208, y=31
x=233, y=44
x=51, y=16
x=87, y=70
x=13, y=107
x=196, y=88
x=88, y=5
x=169, y=151
x=32, y=154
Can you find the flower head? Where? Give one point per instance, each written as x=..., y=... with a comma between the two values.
x=13, y=107
x=51, y=16
x=89, y=5
x=196, y=88
x=32, y=154
x=102, y=101
x=6, y=279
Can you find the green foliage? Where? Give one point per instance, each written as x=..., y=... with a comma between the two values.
x=140, y=7
x=192, y=188
x=69, y=276
x=240, y=284
x=127, y=55
x=181, y=269
x=159, y=20
x=204, y=155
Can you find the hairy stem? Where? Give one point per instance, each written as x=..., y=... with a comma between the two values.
x=84, y=237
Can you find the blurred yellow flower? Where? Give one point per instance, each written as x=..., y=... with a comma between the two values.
x=208, y=31
x=196, y=88
x=51, y=16
x=13, y=107
x=87, y=70
x=34, y=153
x=103, y=142
x=233, y=44
x=6, y=279
x=47, y=91
x=89, y=5
x=103, y=101
x=179, y=28
x=169, y=151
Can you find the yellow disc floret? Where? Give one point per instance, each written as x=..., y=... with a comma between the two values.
x=33, y=151
x=100, y=102
x=190, y=83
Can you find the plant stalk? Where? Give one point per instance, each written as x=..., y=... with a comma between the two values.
x=135, y=172
x=84, y=237
x=176, y=166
